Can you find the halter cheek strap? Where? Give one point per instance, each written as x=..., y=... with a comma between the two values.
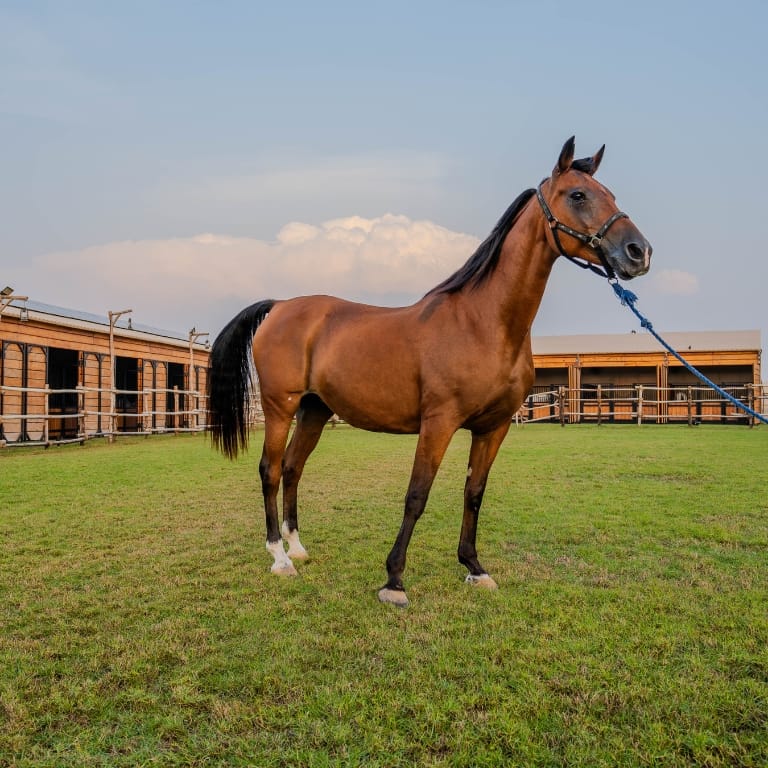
x=595, y=241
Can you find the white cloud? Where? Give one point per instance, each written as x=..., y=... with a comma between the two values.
x=171, y=282
x=677, y=282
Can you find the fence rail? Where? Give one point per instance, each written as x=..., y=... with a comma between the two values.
x=642, y=404
x=47, y=416
x=27, y=416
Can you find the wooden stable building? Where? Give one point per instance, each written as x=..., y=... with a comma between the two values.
x=631, y=377
x=69, y=376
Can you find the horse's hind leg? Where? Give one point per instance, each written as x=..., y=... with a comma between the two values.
x=310, y=420
x=276, y=427
x=481, y=455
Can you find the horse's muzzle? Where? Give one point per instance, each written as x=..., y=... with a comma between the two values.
x=632, y=260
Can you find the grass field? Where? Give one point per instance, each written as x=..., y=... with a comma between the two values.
x=140, y=625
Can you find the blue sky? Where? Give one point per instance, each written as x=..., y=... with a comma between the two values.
x=186, y=159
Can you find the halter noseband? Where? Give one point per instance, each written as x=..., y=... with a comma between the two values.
x=595, y=242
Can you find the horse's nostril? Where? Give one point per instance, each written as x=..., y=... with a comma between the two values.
x=635, y=252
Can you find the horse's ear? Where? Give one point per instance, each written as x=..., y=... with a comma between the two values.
x=566, y=156
x=596, y=159
x=589, y=164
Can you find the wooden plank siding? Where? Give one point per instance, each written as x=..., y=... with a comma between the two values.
x=602, y=378
x=32, y=409
x=632, y=378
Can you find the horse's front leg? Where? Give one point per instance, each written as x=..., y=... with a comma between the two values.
x=481, y=456
x=433, y=441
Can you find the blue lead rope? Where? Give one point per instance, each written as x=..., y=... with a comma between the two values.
x=628, y=299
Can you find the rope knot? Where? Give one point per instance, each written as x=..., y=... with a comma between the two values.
x=626, y=297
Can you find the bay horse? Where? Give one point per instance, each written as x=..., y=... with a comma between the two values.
x=459, y=358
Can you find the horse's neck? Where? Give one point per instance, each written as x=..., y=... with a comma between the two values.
x=514, y=291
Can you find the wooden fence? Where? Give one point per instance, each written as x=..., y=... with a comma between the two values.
x=34, y=416
x=46, y=416
x=641, y=404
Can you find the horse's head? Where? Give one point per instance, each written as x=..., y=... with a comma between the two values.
x=585, y=223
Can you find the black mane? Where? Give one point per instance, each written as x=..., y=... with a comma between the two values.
x=479, y=267
x=585, y=165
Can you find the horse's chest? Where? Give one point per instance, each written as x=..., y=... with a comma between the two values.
x=498, y=390
x=507, y=376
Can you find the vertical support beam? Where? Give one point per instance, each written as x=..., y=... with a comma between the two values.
x=574, y=391
x=113, y=318
x=662, y=387
x=145, y=410
x=47, y=413
x=24, y=394
x=690, y=405
x=194, y=395
x=599, y=404
x=80, y=410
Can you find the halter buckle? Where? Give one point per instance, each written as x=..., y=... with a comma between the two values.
x=594, y=241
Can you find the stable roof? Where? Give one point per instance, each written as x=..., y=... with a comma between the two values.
x=73, y=318
x=623, y=343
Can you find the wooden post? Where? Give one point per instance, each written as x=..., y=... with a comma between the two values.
x=639, y=403
x=574, y=391
x=146, y=419
x=690, y=406
x=113, y=318
x=46, y=413
x=112, y=396
x=561, y=404
x=194, y=335
x=599, y=404
x=81, y=412
x=662, y=392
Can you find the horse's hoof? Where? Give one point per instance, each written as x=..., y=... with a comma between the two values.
x=481, y=580
x=395, y=596
x=284, y=570
x=298, y=553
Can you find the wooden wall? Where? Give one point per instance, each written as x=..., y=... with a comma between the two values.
x=664, y=377
x=631, y=362
x=128, y=343
x=25, y=346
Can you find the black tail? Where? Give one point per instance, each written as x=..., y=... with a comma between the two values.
x=229, y=379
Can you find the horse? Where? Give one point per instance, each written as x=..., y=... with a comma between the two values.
x=459, y=358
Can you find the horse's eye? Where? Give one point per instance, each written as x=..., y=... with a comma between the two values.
x=578, y=196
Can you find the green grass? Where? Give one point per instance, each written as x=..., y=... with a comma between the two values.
x=140, y=626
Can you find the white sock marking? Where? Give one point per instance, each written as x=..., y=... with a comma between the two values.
x=295, y=548
x=282, y=562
